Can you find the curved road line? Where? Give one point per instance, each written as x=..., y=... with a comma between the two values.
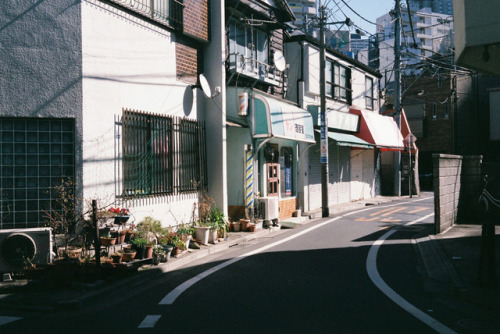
x=371, y=268
x=170, y=298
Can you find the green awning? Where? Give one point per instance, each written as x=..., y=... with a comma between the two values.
x=281, y=119
x=345, y=139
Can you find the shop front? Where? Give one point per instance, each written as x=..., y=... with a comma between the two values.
x=272, y=136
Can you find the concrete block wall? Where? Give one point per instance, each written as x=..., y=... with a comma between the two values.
x=456, y=183
x=447, y=184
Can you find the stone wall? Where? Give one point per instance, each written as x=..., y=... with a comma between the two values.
x=456, y=181
x=447, y=183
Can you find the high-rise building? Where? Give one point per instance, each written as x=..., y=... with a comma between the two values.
x=303, y=11
x=437, y=6
x=428, y=34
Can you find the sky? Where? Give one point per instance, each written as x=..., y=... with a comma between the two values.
x=368, y=9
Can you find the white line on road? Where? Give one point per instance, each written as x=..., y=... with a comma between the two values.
x=5, y=320
x=172, y=295
x=150, y=321
x=371, y=267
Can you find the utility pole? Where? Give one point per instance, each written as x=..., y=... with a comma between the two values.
x=397, y=95
x=325, y=211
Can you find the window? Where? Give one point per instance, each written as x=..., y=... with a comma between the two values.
x=369, y=99
x=35, y=156
x=249, y=42
x=161, y=155
x=338, y=81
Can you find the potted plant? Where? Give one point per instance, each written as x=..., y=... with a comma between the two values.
x=128, y=254
x=149, y=250
x=186, y=232
x=150, y=229
x=117, y=257
x=121, y=215
x=139, y=245
x=107, y=240
x=175, y=240
x=163, y=243
x=218, y=224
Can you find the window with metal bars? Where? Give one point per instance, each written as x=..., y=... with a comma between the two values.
x=161, y=155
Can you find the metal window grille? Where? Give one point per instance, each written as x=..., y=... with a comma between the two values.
x=160, y=155
x=35, y=156
x=167, y=12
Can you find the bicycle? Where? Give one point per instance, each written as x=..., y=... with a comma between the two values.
x=487, y=252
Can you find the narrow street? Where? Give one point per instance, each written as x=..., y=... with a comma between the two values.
x=342, y=274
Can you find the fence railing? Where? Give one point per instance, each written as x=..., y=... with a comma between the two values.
x=167, y=12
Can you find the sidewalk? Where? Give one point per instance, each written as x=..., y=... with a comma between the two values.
x=450, y=260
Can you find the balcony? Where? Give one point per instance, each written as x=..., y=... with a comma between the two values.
x=166, y=12
x=254, y=69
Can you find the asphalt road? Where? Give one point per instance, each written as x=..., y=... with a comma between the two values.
x=355, y=273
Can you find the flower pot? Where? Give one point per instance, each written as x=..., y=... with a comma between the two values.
x=119, y=220
x=176, y=251
x=168, y=250
x=213, y=236
x=140, y=252
x=121, y=237
x=117, y=258
x=236, y=226
x=148, y=252
x=128, y=256
x=129, y=234
x=186, y=239
x=251, y=227
x=106, y=242
x=244, y=224
x=202, y=234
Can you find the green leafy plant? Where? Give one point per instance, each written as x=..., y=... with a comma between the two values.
x=185, y=229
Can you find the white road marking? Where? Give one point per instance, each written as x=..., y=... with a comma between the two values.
x=5, y=320
x=170, y=298
x=371, y=268
x=150, y=321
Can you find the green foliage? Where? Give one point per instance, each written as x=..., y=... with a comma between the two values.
x=185, y=229
x=139, y=242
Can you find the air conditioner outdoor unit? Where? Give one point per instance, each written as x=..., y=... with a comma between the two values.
x=21, y=246
x=269, y=207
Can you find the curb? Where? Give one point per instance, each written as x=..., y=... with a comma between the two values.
x=96, y=290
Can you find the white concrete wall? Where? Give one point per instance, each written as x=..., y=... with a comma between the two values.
x=40, y=62
x=312, y=84
x=127, y=63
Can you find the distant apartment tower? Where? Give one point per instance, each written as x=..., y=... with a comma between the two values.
x=432, y=32
x=303, y=10
x=437, y=6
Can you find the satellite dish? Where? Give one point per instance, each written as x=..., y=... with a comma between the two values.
x=205, y=87
x=279, y=61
